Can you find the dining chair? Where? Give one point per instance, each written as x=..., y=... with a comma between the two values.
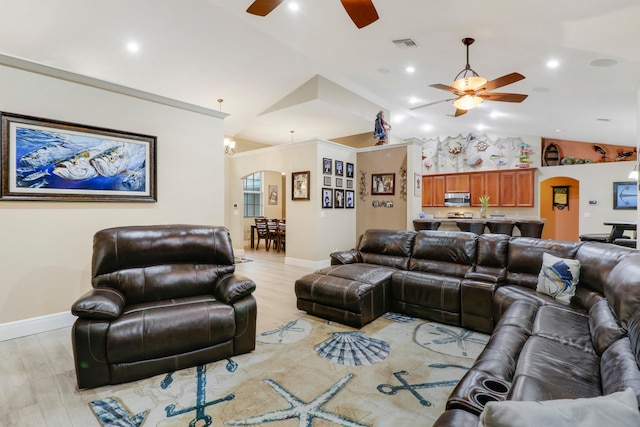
x=263, y=232
x=272, y=227
x=282, y=234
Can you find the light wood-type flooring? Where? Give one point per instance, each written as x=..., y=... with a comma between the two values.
x=37, y=377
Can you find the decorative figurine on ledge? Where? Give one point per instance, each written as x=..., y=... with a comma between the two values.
x=381, y=128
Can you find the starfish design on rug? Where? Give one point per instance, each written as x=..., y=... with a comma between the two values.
x=284, y=329
x=304, y=412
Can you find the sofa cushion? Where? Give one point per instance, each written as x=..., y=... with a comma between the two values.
x=623, y=288
x=443, y=252
x=158, y=329
x=603, y=326
x=387, y=247
x=565, y=326
x=525, y=258
x=558, y=277
x=549, y=369
x=619, y=369
x=615, y=410
x=596, y=262
x=491, y=258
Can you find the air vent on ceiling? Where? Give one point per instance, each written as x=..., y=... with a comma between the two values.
x=405, y=43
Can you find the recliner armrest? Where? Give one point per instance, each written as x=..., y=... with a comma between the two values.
x=483, y=277
x=233, y=287
x=99, y=304
x=346, y=257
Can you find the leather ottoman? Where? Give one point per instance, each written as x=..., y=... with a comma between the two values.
x=352, y=294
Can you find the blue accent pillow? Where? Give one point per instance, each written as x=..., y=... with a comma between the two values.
x=558, y=277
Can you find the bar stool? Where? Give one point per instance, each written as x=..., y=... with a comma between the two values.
x=476, y=227
x=530, y=228
x=501, y=227
x=426, y=224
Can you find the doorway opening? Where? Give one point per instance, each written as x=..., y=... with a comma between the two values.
x=562, y=220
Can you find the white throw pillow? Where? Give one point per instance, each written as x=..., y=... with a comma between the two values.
x=615, y=410
x=558, y=277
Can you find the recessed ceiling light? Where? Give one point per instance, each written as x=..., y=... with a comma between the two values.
x=133, y=47
x=413, y=100
x=552, y=63
x=604, y=62
x=294, y=6
x=410, y=69
x=558, y=130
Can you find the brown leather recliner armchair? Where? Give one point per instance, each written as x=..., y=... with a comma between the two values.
x=164, y=298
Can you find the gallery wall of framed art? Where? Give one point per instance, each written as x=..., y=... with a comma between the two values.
x=337, y=190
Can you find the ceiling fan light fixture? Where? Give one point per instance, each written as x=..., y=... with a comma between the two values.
x=469, y=83
x=467, y=102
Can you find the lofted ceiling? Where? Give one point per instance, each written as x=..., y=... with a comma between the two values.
x=266, y=69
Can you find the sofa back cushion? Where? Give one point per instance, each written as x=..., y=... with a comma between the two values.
x=491, y=258
x=153, y=263
x=622, y=289
x=596, y=262
x=387, y=247
x=451, y=253
x=525, y=258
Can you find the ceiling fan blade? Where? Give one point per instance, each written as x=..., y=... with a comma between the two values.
x=460, y=112
x=500, y=81
x=361, y=12
x=432, y=103
x=448, y=89
x=504, y=97
x=263, y=7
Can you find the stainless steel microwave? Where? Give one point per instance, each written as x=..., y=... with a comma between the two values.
x=457, y=199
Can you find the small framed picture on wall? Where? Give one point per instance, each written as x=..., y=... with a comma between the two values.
x=327, y=198
x=339, y=168
x=349, y=199
x=338, y=196
x=327, y=166
x=350, y=170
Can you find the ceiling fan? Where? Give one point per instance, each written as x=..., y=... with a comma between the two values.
x=361, y=12
x=471, y=89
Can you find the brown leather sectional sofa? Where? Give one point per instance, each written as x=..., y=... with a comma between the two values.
x=164, y=298
x=540, y=348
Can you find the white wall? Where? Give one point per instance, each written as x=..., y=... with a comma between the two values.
x=312, y=232
x=46, y=246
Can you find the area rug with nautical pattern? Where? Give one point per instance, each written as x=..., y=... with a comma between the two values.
x=397, y=371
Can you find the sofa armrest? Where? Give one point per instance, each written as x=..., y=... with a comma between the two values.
x=232, y=287
x=490, y=278
x=99, y=304
x=346, y=257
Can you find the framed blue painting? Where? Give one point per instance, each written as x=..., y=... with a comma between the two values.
x=58, y=161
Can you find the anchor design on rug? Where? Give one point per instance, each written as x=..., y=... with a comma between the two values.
x=201, y=399
x=390, y=390
x=304, y=412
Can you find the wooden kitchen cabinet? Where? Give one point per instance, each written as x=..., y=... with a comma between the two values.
x=516, y=188
x=433, y=190
x=481, y=183
x=508, y=188
x=456, y=183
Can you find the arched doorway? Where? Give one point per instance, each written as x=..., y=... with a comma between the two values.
x=560, y=224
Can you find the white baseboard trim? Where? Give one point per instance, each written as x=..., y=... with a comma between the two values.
x=316, y=265
x=35, y=325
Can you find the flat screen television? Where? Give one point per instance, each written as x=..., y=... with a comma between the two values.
x=625, y=195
